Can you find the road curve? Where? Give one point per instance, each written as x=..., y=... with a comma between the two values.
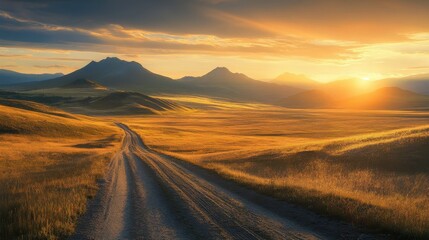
x=148, y=195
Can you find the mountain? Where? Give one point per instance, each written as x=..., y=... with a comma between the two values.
x=415, y=83
x=113, y=73
x=307, y=99
x=8, y=77
x=296, y=80
x=388, y=98
x=122, y=103
x=223, y=83
x=83, y=83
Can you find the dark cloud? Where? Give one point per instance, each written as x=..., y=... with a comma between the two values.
x=172, y=16
x=15, y=30
x=332, y=18
x=238, y=26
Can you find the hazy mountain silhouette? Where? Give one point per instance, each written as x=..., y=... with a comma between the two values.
x=387, y=98
x=415, y=83
x=84, y=83
x=296, y=80
x=222, y=82
x=8, y=77
x=131, y=76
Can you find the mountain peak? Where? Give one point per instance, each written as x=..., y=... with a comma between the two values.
x=221, y=69
x=116, y=64
x=111, y=59
x=221, y=73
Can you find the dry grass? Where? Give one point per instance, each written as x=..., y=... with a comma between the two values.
x=48, y=169
x=369, y=167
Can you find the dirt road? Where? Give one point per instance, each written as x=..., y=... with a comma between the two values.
x=148, y=195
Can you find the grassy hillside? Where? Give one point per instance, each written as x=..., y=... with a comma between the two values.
x=41, y=120
x=122, y=103
x=49, y=164
x=368, y=167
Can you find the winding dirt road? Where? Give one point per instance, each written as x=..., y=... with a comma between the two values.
x=148, y=195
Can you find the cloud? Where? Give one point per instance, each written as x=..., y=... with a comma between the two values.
x=51, y=66
x=365, y=20
x=117, y=39
x=356, y=36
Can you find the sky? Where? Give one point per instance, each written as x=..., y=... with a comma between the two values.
x=323, y=39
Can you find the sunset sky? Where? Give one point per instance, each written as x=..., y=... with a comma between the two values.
x=323, y=39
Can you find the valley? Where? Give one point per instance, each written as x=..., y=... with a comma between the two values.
x=214, y=119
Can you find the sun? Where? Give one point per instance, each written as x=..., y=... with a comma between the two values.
x=365, y=78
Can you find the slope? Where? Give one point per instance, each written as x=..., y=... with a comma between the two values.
x=122, y=103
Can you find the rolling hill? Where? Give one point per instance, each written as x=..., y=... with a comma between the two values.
x=122, y=103
x=8, y=77
x=387, y=98
x=223, y=83
x=29, y=118
x=297, y=81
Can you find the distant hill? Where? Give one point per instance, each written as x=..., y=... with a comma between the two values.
x=308, y=99
x=387, y=98
x=296, y=80
x=222, y=82
x=327, y=95
x=8, y=77
x=415, y=83
x=83, y=83
x=122, y=103
x=347, y=88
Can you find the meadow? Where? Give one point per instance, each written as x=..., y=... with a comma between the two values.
x=49, y=165
x=367, y=167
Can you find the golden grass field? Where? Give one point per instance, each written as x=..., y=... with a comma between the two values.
x=49, y=164
x=368, y=167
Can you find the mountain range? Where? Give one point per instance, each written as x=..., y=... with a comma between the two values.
x=97, y=79
x=8, y=77
x=118, y=74
x=227, y=84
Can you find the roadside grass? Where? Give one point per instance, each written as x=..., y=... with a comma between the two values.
x=367, y=167
x=46, y=176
